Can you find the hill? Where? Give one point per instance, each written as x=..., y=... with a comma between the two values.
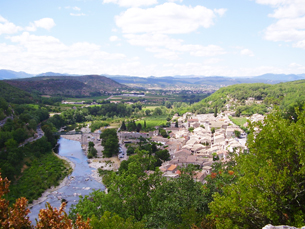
x=14, y=95
x=68, y=85
x=247, y=99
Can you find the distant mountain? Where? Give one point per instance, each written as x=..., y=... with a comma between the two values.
x=162, y=82
x=8, y=74
x=192, y=81
x=67, y=85
x=56, y=74
x=280, y=77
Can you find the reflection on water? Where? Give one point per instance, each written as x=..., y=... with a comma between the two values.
x=80, y=181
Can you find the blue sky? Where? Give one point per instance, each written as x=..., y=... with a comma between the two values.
x=153, y=37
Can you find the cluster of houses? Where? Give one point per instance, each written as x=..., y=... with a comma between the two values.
x=198, y=140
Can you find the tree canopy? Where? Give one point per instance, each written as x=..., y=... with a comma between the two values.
x=271, y=187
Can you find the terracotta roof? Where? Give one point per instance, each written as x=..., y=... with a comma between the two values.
x=198, y=175
x=192, y=120
x=172, y=167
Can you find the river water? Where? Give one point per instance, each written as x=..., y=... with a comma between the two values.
x=80, y=181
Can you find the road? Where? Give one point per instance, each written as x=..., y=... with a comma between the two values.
x=2, y=122
x=40, y=134
x=123, y=153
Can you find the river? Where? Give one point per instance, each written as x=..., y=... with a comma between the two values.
x=80, y=181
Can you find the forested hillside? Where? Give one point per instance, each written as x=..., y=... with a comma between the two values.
x=74, y=86
x=13, y=94
x=26, y=157
x=247, y=99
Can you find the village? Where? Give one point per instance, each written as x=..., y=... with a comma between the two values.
x=198, y=139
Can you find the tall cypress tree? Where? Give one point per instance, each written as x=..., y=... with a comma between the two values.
x=123, y=126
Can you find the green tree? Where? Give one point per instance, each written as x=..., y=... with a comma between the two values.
x=123, y=126
x=173, y=199
x=163, y=133
x=271, y=187
x=113, y=221
x=191, y=129
x=110, y=142
x=139, y=127
x=168, y=104
x=215, y=112
x=130, y=150
x=213, y=130
x=158, y=111
x=237, y=133
x=147, y=112
x=33, y=124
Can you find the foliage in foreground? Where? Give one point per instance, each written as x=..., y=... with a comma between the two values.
x=148, y=198
x=271, y=187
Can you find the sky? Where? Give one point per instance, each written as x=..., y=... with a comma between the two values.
x=153, y=37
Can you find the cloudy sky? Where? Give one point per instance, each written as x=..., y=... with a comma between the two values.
x=153, y=37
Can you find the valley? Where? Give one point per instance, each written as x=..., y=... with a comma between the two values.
x=193, y=141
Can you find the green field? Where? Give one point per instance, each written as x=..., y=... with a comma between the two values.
x=35, y=106
x=153, y=121
x=240, y=121
x=86, y=98
x=150, y=108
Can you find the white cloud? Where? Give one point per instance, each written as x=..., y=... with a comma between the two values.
x=163, y=53
x=45, y=23
x=7, y=27
x=212, y=61
x=132, y=3
x=300, y=44
x=46, y=53
x=290, y=26
x=113, y=38
x=295, y=65
x=221, y=11
x=246, y=52
x=171, y=47
x=2, y=19
x=199, y=50
x=76, y=8
x=77, y=15
x=168, y=18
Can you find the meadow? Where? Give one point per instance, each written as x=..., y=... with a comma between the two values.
x=153, y=121
x=240, y=121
